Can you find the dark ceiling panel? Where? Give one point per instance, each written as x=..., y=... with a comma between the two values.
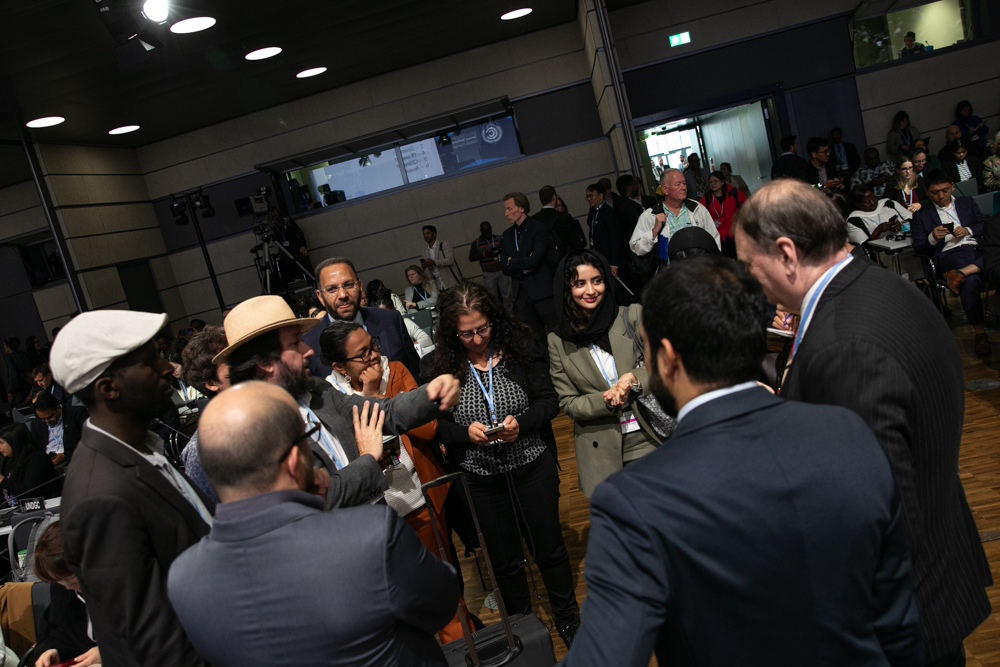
x=58, y=58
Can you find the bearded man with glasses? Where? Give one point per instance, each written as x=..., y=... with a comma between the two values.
x=339, y=289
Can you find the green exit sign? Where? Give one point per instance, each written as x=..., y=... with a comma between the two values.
x=683, y=38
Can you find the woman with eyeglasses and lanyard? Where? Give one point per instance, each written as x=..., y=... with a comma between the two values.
x=359, y=368
x=907, y=188
x=595, y=369
x=511, y=471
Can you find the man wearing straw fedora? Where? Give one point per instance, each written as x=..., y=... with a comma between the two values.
x=265, y=343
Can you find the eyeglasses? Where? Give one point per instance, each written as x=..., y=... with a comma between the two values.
x=366, y=354
x=348, y=286
x=467, y=336
x=308, y=435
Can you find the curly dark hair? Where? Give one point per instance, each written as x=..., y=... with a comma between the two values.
x=508, y=333
x=576, y=316
x=196, y=366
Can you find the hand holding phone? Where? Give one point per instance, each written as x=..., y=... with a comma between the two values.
x=493, y=430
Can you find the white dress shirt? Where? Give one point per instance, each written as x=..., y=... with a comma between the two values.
x=949, y=214
x=711, y=396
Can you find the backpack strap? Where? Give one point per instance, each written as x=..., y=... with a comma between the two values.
x=857, y=223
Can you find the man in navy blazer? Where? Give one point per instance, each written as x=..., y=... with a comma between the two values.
x=522, y=257
x=949, y=230
x=280, y=581
x=763, y=532
x=339, y=290
x=65, y=420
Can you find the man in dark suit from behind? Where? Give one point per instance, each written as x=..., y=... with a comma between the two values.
x=560, y=224
x=126, y=512
x=629, y=209
x=57, y=428
x=764, y=532
x=354, y=587
x=789, y=164
x=870, y=342
x=338, y=288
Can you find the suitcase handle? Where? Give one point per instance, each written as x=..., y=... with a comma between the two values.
x=513, y=646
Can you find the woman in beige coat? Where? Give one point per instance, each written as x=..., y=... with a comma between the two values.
x=596, y=369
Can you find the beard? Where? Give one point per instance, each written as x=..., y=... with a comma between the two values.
x=295, y=381
x=660, y=391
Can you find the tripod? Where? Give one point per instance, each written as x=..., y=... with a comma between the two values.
x=266, y=264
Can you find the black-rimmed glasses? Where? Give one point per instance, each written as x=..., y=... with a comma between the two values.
x=467, y=336
x=308, y=435
x=366, y=354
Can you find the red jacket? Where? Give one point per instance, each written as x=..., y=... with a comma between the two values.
x=723, y=212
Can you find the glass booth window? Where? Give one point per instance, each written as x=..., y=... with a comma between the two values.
x=910, y=32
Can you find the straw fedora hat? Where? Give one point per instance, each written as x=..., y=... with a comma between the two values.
x=257, y=316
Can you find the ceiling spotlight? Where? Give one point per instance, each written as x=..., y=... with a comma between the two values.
x=48, y=121
x=306, y=73
x=196, y=24
x=124, y=129
x=179, y=211
x=156, y=10
x=261, y=54
x=365, y=162
x=203, y=203
x=516, y=14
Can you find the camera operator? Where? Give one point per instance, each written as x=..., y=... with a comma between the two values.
x=290, y=236
x=485, y=249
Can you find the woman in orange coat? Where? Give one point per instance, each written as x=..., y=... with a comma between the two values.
x=359, y=368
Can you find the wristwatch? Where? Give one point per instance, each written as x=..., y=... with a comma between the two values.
x=637, y=388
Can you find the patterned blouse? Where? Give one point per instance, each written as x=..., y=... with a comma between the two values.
x=991, y=173
x=493, y=459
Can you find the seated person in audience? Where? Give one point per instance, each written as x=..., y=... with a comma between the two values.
x=873, y=172
x=948, y=233
x=25, y=468
x=421, y=340
x=42, y=377
x=376, y=289
x=57, y=428
x=209, y=378
x=951, y=133
x=66, y=630
x=963, y=165
x=758, y=514
x=907, y=187
x=991, y=168
x=657, y=225
x=723, y=201
x=420, y=292
x=921, y=165
x=819, y=170
x=973, y=127
x=359, y=370
x=354, y=587
x=873, y=218
x=931, y=161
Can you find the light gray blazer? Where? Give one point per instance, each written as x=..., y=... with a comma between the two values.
x=580, y=385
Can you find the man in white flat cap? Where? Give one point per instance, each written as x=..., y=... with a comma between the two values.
x=265, y=343
x=126, y=512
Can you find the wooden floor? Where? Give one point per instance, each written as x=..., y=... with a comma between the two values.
x=979, y=467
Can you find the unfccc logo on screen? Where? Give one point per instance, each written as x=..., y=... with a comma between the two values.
x=492, y=133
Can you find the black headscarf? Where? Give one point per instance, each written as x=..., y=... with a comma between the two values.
x=601, y=318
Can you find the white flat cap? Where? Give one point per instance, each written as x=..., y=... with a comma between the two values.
x=87, y=345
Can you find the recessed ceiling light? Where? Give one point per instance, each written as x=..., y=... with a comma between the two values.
x=306, y=73
x=48, y=121
x=516, y=14
x=197, y=24
x=156, y=10
x=125, y=129
x=261, y=54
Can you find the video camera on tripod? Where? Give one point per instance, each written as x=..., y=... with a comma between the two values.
x=269, y=233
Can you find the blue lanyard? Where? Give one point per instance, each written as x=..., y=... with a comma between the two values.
x=948, y=213
x=420, y=293
x=323, y=441
x=611, y=381
x=488, y=394
x=804, y=320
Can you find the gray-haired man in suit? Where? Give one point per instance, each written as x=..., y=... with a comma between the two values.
x=352, y=587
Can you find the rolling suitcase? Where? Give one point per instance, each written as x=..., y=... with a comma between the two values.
x=521, y=640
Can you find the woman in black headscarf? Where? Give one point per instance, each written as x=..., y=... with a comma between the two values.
x=596, y=362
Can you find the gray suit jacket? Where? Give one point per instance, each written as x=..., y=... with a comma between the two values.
x=580, y=385
x=361, y=481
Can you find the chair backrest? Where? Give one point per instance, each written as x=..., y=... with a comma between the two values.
x=25, y=530
x=969, y=188
x=986, y=202
x=423, y=319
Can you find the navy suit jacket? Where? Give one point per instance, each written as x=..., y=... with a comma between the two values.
x=763, y=532
x=927, y=218
x=605, y=234
x=349, y=587
x=394, y=341
x=73, y=418
x=523, y=249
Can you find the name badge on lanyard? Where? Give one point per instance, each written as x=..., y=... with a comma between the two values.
x=626, y=420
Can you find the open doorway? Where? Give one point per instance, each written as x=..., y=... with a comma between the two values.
x=739, y=136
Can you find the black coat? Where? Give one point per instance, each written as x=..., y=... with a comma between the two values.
x=35, y=477
x=853, y=158
x=605, y=233
x=73, y=418
x=787, y=166
x=975, y=168
x=123, y=524
x=628, y=216
x=65, y=625
x=878, y=347
x=522, y=257
x=394, y=341
x=991, y=248
x=564, y=227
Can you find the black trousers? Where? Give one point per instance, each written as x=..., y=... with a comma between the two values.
x=534, y=490
x=955, y=658
x=536, y=314
x=972, y=300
